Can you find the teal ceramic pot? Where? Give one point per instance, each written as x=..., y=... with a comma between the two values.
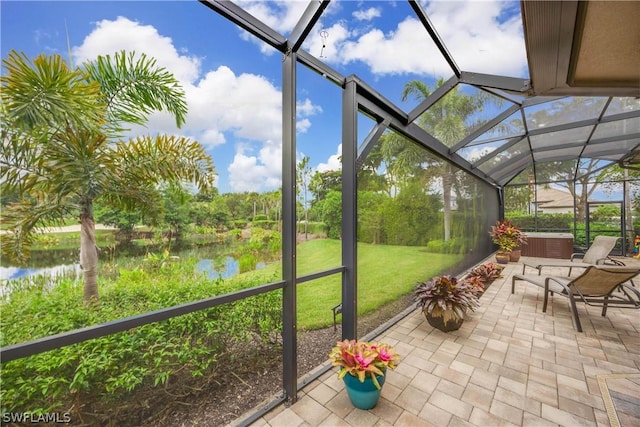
x=363, y=395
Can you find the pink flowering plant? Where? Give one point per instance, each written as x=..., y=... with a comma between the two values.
x=363, y=359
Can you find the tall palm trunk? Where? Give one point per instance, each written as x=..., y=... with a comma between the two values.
x=88, y=253
x=447, y=179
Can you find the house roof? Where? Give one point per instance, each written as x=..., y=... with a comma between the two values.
x=548, y=197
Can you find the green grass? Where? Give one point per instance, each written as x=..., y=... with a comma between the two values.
x=384, y=274
x=71, y=240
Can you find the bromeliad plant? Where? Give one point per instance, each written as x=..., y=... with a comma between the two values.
x=487, y=272
x=363, y=359
x=447, y=297
x=507, y=236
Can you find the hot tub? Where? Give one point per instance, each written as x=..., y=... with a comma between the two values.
x=548, y=245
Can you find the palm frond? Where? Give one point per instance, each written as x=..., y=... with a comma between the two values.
x=134, y=87
x=47, y=93
x=166, y=158
x=22, y=219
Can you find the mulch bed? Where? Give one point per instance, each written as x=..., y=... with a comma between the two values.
x=239, y=387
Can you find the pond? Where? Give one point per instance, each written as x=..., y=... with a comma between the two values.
x=214, y=260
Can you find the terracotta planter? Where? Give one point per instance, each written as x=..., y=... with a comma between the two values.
x=503, y=257
x=515, y=254
x=453, y=324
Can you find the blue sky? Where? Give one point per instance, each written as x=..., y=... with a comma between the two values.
x=233, y=81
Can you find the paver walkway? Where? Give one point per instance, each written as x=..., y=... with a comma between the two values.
x=509, y=365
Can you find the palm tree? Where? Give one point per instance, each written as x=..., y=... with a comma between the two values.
x=62, y=146
x=446, y=120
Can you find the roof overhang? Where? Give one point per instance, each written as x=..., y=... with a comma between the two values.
x=589, y=48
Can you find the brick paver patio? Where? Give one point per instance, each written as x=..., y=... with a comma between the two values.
x=510, y=364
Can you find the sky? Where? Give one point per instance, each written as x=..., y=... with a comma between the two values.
x=233, y=81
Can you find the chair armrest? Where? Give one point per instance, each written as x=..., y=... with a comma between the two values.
x=610, y=261
x=557, y=285
x=576, y=255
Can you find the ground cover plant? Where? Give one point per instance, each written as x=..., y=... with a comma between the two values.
x=103, y=371
x=100, y=376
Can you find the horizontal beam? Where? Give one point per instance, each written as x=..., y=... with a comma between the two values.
x=248, y=22
x=17, y=351
x=513, y=84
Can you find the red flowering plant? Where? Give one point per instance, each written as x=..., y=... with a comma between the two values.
x=487, y=272
x=477, y=283
x=507, y=236
x=363, y=359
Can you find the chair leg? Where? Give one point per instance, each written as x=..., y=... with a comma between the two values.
x=574, y=313
x=604, y=306
x=513, y=284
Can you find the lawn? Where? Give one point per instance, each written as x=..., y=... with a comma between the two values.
x=384, y=274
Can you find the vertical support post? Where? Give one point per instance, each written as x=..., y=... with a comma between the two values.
x=501, y=202
x=289, y=310
x=349, y=211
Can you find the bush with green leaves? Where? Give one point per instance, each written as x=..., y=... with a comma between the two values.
x=110, y=369
x=551, y=222
x=451, y=246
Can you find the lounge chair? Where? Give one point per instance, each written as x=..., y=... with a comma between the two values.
x=601, y=286
x=597, y=254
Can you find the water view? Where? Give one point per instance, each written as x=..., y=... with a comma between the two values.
x=216, y=261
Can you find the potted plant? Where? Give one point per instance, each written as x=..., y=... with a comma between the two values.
x=445, y=301
x=509, y=239
x=363, y=366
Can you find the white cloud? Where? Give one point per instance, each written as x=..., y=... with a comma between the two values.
x=403, y=51
x=281, y=15
x=475, y=33
x=222, y=104
x=333, y=163
x=247, y=105
x=303, y=125
x=306, y=108
x=211, y=138
x=478, y=38
x=256, y=173
x=330, y=45
x=474, y=154
x=244, y=173
x=110, y=37
x=367, y=15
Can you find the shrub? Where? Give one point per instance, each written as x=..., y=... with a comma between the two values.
x=98, y=372
x=451, y=246
x=266, y=224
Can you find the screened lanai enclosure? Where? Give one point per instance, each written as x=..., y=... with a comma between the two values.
x=422, y=181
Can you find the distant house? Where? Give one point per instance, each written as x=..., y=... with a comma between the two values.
x=553, y=200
